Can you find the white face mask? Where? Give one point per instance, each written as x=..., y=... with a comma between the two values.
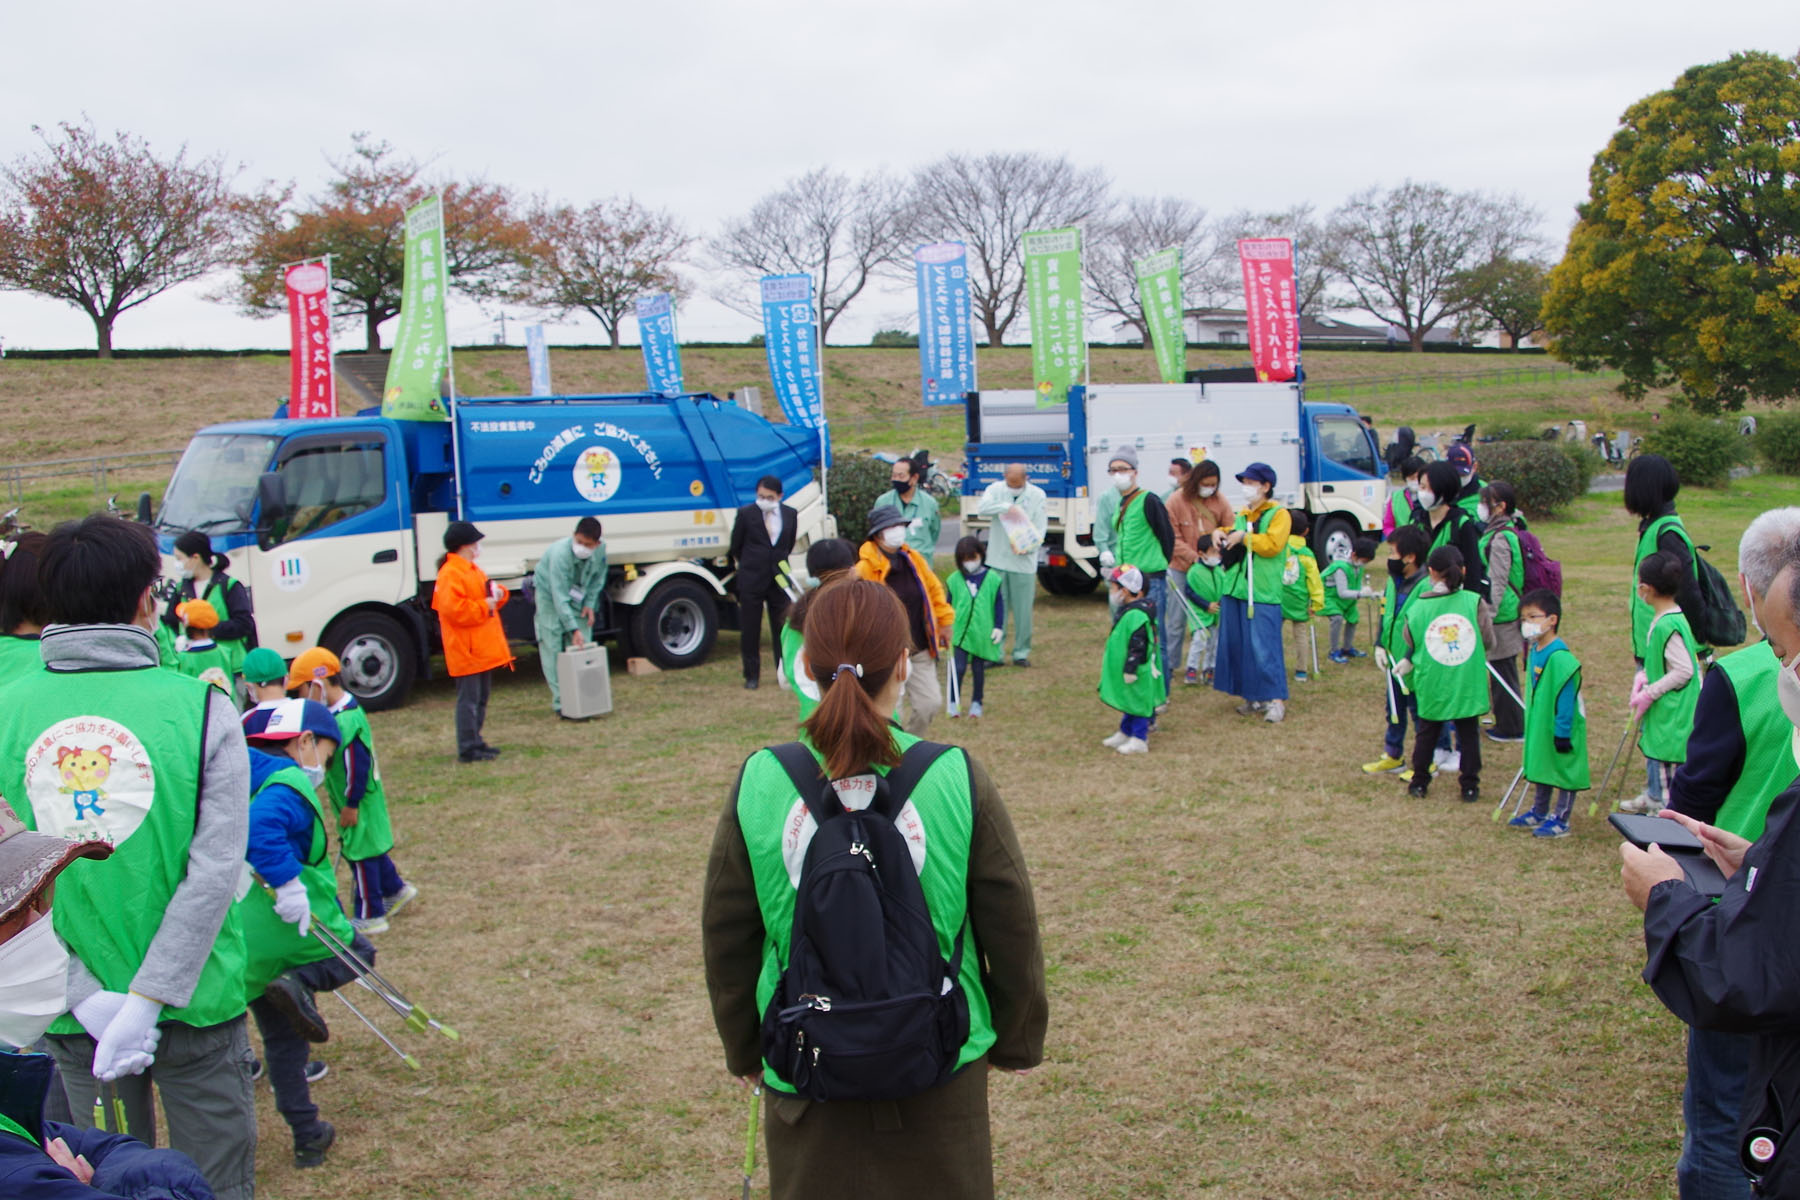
x=583, y=552
x=34, y=983
x=1123, y=480
x=187, y=572
x=1207, y=493
x=1531, y=631
x=972, y=566
x=315, y=773
x=1252, y=495
x=1787, y=689
x=892, y=538
x=767, y=506
x=1427, y=501
x=1483, y=513
x=1212, y=562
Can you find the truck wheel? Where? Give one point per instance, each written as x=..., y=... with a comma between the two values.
x=1333, y=537
x=378, y=658
x=1067, y=581
x=677, y=625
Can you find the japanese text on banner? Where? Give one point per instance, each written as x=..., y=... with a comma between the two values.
x=1058, y=326
x=1270, y=306
x=1159, y=293
x=312, y=388
x=422, y=342
x=946, y=339
x=660, y=342
x=791, y=338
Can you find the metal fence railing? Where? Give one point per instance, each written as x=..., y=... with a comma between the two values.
x=16, y=477
x=1444, y=381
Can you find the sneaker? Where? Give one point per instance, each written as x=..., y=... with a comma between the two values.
x=1250, y=708
x=1337, y=656
x=490, y=751
x=975, y=709
x=1206, y=678
x=1407, y=775
x=1504, y=741
x=1487, y=718
x=1640, y=803
x=294, y=1000
x=1276, y=711
x=1416, y=790
x=1528, y=820
x=955, y=713
x=1551, y=827
x=1160, y=709
x=476, y=756
x=1471, y=795
x=311, y=1152
x=1300, y=676
x=1192, y=677
x=1354, y=653
x=1116, y=740
x=400, y=899
x=1446, y=760
x=370, y=925
x=1134, y=746
x=316, y=1070
x=1382, y=765
x=1021, y=662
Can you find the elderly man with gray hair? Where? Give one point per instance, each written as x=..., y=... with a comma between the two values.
x=1015, y=508
x=1740, y=758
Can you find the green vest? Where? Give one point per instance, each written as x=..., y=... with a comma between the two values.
x=117, y=754
x=973, y=630
x=1134, y=699
x=372, y=835
x=235, y=648
x=165, y=647
x=1296, y=596
x=1264, y=574
x=1641, y=613
x=1393, y=615
x=271, y=944
x=19, y=656
x=195, y=663
x=1515, y=575
x=805, y=689
x=768, y=807
x=1137, y=541
x=1449, y=673
x=1542, y=763
x=1769, y=765
x=1208, y=583
x=1336, y=605
x=1400, y=512
x=1663, y=734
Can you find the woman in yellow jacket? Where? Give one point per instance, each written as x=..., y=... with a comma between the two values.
x=468, y=606
x=886, y=558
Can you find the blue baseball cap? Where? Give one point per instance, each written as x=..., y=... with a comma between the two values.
x=289, y=719
x=1258, y=472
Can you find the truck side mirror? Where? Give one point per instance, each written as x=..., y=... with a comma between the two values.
x=143, y=508
x=271, y=505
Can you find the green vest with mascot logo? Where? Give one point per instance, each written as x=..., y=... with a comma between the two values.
x=1449, y=673
x=773, y=820
x=117, y=755
x=271, y=944
x=19, y=656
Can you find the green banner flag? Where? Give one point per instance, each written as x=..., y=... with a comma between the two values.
x=1159, y=293
x=1058, y=329
x=413, y=391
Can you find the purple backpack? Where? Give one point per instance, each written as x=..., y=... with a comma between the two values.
x=1541, y=571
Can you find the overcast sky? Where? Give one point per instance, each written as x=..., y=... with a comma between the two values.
x=702, y=106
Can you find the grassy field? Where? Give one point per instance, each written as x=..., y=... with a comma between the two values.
x=1270, y=974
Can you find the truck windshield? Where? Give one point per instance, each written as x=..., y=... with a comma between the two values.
x=214, y=487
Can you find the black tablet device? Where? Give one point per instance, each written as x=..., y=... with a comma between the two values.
x=1644, y=831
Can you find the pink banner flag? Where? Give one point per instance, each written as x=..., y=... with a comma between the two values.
x=312, y=390
x=1269, y=303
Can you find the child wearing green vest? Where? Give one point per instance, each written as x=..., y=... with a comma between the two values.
x=1204, y=585
x=196, y=655
x=980, y=618
x=1445, y=665
x=1131, y=669
x=1343, y=582
x=1665, y=692
x=1302, y=590
x=1556, y=758
x=265, y=677
x=827, y=561
x=353, y=781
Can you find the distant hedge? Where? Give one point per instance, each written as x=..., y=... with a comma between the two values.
x=1701, y=450
x=1546, y=476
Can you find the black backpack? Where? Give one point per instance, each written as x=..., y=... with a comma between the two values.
x=1719, y=622
x=867, y=1009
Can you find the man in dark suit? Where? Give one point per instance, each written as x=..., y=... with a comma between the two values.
x=762, y=537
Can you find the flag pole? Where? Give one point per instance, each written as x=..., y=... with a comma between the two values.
x=449, y=359
x=331, y=341
x=819, y=374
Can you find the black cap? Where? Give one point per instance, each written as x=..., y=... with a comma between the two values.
x=461, y=534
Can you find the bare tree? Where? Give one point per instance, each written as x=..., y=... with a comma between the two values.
x=1313, y=276
x=1142, y=226
x=601, y=258
x=107, y=225
x=989, y=203
x=1402, y=252
x=824, y=224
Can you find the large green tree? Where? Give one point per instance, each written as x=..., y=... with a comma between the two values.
x=1685, y=265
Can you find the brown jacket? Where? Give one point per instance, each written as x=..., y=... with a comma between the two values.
x=1185, y=521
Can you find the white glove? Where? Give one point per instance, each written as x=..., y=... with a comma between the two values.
x=1129, y=677
x=1403, y=667
x=780, y=675
x=128, y=1046
x=1106, y=559
x=291, y=905
x=97, y=1011
x=1381, y=658
x=998, y=635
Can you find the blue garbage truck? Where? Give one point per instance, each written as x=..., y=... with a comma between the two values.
x=336, y=525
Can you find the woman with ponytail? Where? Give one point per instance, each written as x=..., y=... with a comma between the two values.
x=971, y=870
x=203, y=577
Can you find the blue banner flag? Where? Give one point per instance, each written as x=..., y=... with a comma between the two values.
x=662, y=348
x=537, y=356
x=946, y=338
x=791, y=337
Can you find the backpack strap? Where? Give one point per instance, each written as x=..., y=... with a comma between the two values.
x=803, y=770
x=901, y=781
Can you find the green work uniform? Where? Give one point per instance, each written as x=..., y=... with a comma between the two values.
x=1769, y=764
x=19, y=656
x=563, y=585
x=923, y=520
x=1543, y=762
x=1663, y=733
x=1515, y=574
x=1264, y=573
x=1296, y=587
x=116, y=755
x=1641, y=613
x=1137, y=544
x=1138, y=698
x=1342, y=606
x=235, y=648
x=373, y=834
x=271, y=944
x=195, y=663
x=1208, y=583
x=1449, y=665
x=973, y=630
x=767, y=806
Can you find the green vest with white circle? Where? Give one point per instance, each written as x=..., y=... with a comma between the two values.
x=272, y=945
x=1663, y=734
x=118, y=754
x=1449, y=673
x=771, y=816
x=1769, y=764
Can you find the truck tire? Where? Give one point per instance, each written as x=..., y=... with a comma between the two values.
x=676, y=625
x=1067, y=581
x=379, y=659
x=1334, y=533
